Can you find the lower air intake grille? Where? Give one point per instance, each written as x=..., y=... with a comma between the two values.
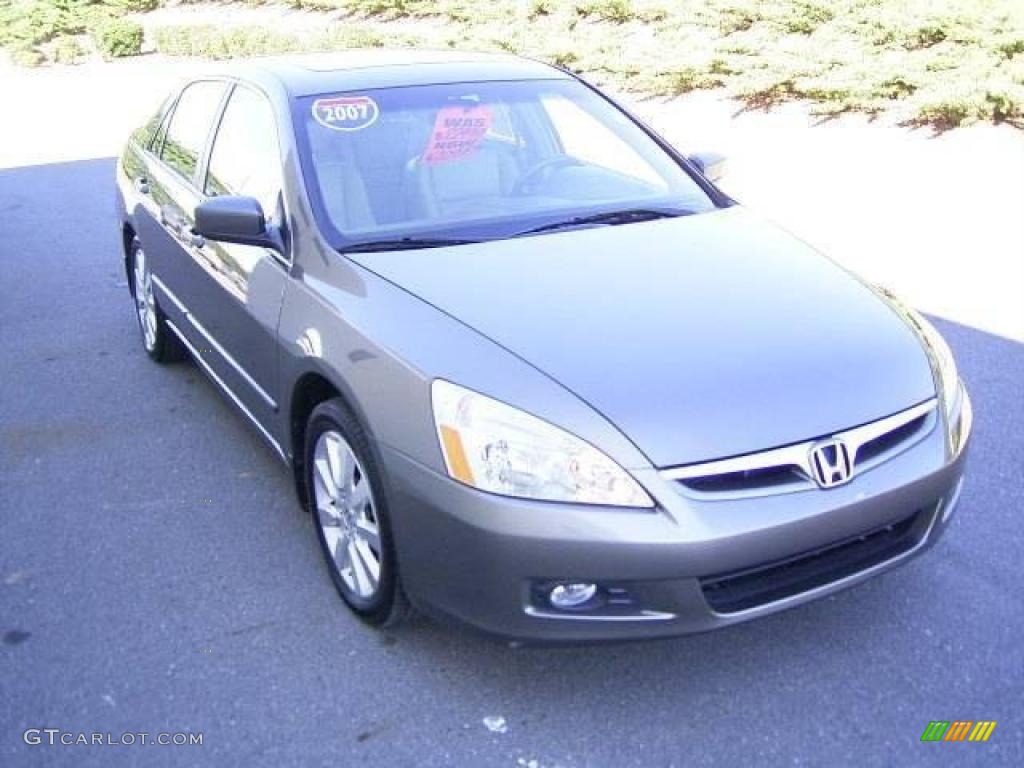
x=766, y=583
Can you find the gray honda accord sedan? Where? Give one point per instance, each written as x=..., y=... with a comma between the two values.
x=532, y=370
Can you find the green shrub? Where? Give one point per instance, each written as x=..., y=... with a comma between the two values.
x=927, y=35
x=36, y=21
x=42, y=21
x=27, y=56
x=134, y=6
x=943, y=62
x=618, y=11
x=171, y=40
x=683, y=79
x=1011, y=48
x=342, y=36
x=392, y=9
x=947, y=113
x=737, y=18
x=312, y=5
x=116, y=38
x=950, y=102
x=803, y=17
x=1006, y=100
x=540, y=8
x=564, y=58
x=211, y=42
x=66, y=50
x=73, y=6
x=654, y=13
x=896, y=87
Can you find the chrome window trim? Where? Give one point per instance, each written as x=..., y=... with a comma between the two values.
x=798, y=456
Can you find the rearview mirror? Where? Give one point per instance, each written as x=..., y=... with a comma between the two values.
x=236, y=219
x=711, y=164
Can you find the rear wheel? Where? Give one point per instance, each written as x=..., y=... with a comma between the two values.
x=157, y=339
x=350, y=512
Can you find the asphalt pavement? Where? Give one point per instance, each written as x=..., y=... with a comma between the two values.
x=157, y=575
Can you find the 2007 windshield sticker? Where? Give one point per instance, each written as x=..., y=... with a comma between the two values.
x=346, y=113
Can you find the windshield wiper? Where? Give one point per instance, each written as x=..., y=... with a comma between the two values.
x=404, y=244
x=611, y=218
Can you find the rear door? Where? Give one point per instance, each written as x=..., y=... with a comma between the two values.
x=237, y=307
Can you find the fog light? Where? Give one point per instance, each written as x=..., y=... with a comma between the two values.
x=572, y=595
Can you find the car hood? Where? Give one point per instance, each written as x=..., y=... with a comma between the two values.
x=699, y=337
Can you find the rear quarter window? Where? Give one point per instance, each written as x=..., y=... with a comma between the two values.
x=145, y=134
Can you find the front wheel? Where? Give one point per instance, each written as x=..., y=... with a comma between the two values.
x=160, y=344
x=350, y=512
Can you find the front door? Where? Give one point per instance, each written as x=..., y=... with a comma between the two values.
x=237, y=308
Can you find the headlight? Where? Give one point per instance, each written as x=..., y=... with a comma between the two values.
x=500, y=449
x=948, y=381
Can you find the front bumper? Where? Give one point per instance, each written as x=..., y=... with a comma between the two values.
x=689, y=566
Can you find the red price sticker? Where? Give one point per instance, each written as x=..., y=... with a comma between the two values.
x=457, y=133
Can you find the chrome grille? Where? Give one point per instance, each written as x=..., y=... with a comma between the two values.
x=787, y=469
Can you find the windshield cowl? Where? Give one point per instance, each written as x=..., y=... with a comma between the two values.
x=404, y=244
x=607, y=218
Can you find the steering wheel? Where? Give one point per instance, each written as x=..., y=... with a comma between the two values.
x=542, y=170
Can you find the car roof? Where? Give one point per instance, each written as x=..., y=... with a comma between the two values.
x=356, y=69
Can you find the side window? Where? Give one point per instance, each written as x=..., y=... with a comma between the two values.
x=190, y=125
x=245, y=159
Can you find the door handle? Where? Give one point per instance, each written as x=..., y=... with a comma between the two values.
x=171, y=219
x=142, y=185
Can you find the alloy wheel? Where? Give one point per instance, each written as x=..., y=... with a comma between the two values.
x=145, y=302
x=347, y=515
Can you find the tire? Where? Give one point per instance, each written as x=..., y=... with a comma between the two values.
x=350, y=513
x=157, y=339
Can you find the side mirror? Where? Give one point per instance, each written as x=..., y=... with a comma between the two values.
x=236, y=219
x=711, y=164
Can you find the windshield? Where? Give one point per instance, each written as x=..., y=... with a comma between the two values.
x=463, y=162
